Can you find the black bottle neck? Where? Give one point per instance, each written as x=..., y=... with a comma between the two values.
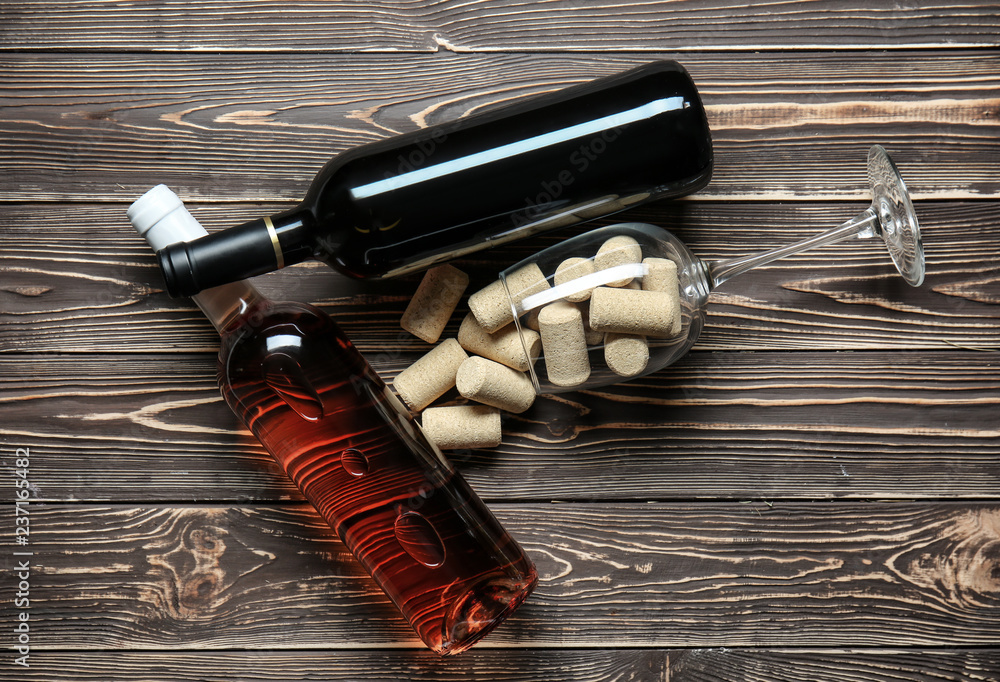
x=243, y=251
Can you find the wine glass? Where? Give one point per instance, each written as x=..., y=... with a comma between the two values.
x=622, y=301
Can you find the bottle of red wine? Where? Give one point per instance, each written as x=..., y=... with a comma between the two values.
x=409, y=202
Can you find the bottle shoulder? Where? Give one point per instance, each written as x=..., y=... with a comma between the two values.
x=272, y=324
x=287, y=335
x=289, y=356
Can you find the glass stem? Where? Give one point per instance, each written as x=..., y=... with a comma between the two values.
x=861, y=227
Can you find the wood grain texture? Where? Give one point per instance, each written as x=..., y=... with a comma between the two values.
x=645, y=575
x=249, y=127
x=830, y=665
x=720, y=664
x=484, y=25
x=384, y=665
x=717, y=425
x=97, y=288
x=812, y=495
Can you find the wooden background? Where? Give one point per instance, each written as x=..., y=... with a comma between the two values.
x=813, y=494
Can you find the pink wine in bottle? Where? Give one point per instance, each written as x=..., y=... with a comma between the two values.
x=308, y=395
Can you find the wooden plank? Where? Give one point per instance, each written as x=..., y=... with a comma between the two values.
x=831, y=665
x=621, y=576
x=87, y=127
x=387, y=665
x=714, y=522
x=717, y=425
x=540, y=25
x=718, y=664
x=94, y=275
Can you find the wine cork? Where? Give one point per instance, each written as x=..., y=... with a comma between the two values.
x=564, y=343
x=492, y=307
x=631, y=311
x=491, y=383
x=626, y=354
x=431, y=376
x=593, y=338
x=571, y=269
x=661, y=275
x=504, y=345
x=434, y=301
x=619, y=250
x=462, y=427
x=530, y=319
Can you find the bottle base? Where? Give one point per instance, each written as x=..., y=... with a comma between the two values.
x=481, y=609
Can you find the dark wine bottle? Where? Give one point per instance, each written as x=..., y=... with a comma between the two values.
x=409, y=202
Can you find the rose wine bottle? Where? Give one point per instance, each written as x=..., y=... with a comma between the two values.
x=409, y=202
x=318, y=407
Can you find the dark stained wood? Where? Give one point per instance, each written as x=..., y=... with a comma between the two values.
x=811, y=495
x=720, y=664
x=100, y=278
x=642, y=575
x=829, y=665
x=258, y=127
x=717, y=425
x=540, y=25
x=384, y=665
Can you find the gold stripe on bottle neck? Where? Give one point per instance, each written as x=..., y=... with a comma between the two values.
x=273, y=234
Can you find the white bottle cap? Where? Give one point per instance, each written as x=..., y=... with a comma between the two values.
x=161, y=217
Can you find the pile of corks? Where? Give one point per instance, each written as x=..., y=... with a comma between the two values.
x=490, y=359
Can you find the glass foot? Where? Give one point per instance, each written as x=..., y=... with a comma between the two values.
x=897, y=223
